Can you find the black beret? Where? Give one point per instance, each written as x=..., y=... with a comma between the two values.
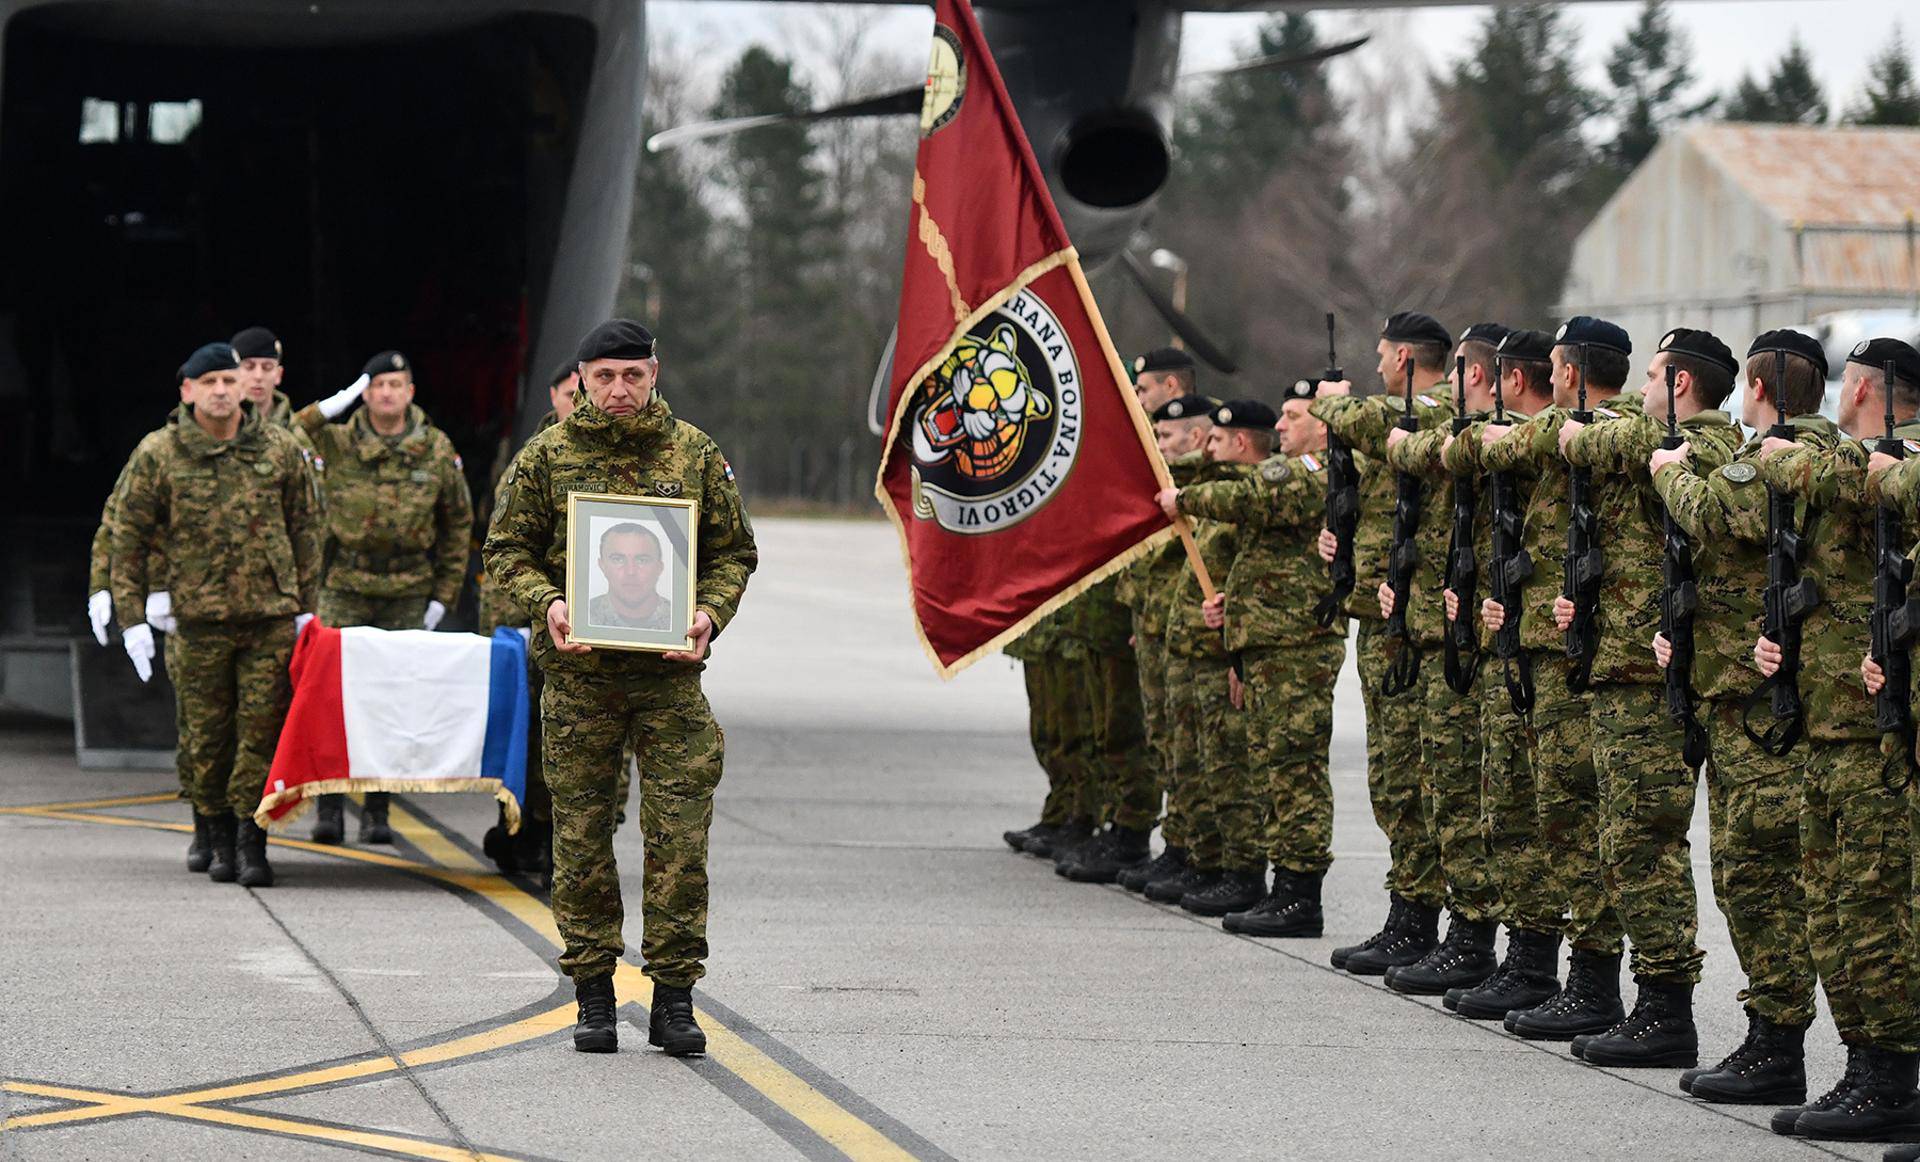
x=1585, y=330
x=1875, y=353
x=1414, y=327
x=562, y=373
x=1187, y=407
x=1527, y=347
x=1163, y=359
x=1245, y=413
x=1793, y=343
x=1299, y=389
x=210, y=358
x=1701, y=345
x=257, y=343
x=385, y=363
x=615, y=339
x=1492, y=334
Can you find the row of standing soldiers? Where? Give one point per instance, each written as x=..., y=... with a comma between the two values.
x=1570, y=598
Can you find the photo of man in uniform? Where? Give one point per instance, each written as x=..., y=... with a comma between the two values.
x=631, y=561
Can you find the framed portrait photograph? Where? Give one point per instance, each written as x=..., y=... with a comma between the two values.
x=630, y=570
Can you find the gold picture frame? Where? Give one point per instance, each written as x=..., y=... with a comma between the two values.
x=608, y=551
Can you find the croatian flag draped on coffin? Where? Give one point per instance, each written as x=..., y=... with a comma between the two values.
x=1018, y=467
x=402, y=710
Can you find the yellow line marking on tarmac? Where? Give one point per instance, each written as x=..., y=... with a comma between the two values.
x=835, y=1124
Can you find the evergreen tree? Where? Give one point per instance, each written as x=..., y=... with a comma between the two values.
x=1521, y=85
x=1890, y=97
x=1650, y=70
x=1790, y=96
x=1248, y=125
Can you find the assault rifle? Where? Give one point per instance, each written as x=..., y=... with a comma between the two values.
x=1343, y=505
x=1789, y=598
x=1896, y=615
x=1463, y=572
x=1584, y=563
x=1510, y=568
x=1404, y=669
x=1679, y=600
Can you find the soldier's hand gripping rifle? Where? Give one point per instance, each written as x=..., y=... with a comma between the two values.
x=1789, y=598
x=1509, y=569
x=1584, y=564
x=1896, y=615
x=1343, y=506
x=1463, y=572
x=1404, y=669
x=1679, y=600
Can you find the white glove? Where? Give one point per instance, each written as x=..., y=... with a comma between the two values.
x=435, y=611
x=139, y=643
x=332, y=406
x=160, y=612
x=100, y=614
x=300, y=621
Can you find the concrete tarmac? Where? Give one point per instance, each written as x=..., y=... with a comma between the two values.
x=887, y=979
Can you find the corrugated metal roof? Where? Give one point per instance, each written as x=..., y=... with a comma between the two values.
x=1819, y=176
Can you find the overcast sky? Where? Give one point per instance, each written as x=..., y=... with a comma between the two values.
x=1730, y=37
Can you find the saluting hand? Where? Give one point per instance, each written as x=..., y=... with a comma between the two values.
x=1871, y=674
x=560, y=627
x=701, y=635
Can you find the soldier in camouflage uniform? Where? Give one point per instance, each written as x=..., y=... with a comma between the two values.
x=228, y=499
x=399, y=524
x=1414, y=883
x=1647, y=786
x=262, y=367
x=1529, y=904
x=1123, y=784
x=1855, y=834
x=1061, y=731
x=1753, y=797
x=622, y=439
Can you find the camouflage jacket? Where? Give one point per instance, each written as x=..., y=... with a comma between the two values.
x=496, y=608
x=1832, y=483
x=100, y=557
x=1633, y=525
x=1145, y=583
x=281, y=410
x=1363, y=422
x=234, y=518
x=1277, y=576
x=648, y=454
x=1187, y=632
x=1462, y=456
x=1096, y=623
x=1042, y=640
x=1419, y=454
x=1724, y=514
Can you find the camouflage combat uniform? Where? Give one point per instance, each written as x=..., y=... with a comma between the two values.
x=1393, y=733
x=1058, y=719
x=595, y=702
x=1120, y=781
x=235, y=520
x=1855, y=837
x=1646, y=786
x=1753, y=798
x=100, y=577
x=280, y=411
x=1284, y=811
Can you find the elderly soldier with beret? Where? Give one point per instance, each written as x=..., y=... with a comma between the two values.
x=623, y=439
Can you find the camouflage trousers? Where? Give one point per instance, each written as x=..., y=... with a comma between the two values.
x=182, y=770
x=1060, y=726
x=1753, y=812
x=231, y=693
x=1123, y=784
x=1450, y=795
x=1856, y=846
x=1211, y=738
x=1646, y=791
x=1289, y=716
x=1150, y=655
x=1517, y=858
x=1393, y=775
x=587, y=719
x=340, y=607
x=1567, y=791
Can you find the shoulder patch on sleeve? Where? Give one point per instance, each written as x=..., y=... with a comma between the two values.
x=1275, y=470
x=1740, y=472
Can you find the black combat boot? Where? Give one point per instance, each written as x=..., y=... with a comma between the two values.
x=1784, y=1120
x=1174, y=888
x=1768, y=1069
x=1588, y=1003
x=200, y=851
x=1018, y=840
x=1657, y=1034
x=220, y=833
x=671, y=1025
x=1167, y=864
x=329, y=822
x=1464, y=959
x=373, y=818
x=1418, y=933
x=1529, y=976
x=1901, y=1154
x=595, y=1030
x=1235, y=891
x=1396, y=909
x=1884, y=1106
x=1124, y=849
x=1291, y=909
x=1091, y=848
x=1072, y=833
x=251, y=848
